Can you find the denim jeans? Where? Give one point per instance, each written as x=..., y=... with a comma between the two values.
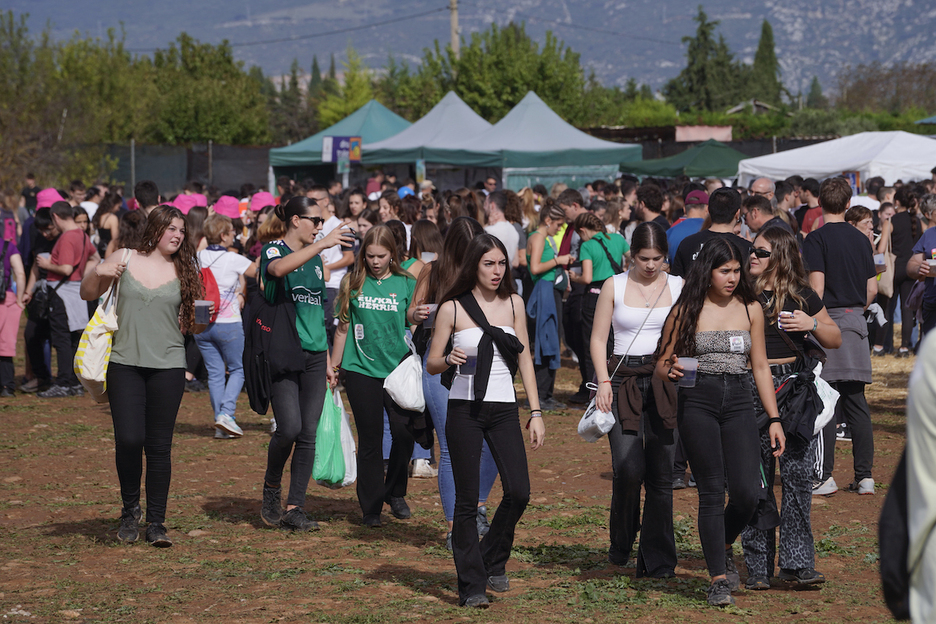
x=437, y=404
x=222, y=348
x=719, y=433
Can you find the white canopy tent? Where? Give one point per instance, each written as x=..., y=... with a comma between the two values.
x=891, y=155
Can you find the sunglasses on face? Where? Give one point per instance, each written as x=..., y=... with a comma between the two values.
x=316, y=221
x=760, y=253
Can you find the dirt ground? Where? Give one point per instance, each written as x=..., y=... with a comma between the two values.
x=60, y=561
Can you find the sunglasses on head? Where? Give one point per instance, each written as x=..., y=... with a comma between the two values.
x=760, y=253
x=316, y=221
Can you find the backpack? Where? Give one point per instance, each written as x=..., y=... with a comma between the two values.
x=212, y=292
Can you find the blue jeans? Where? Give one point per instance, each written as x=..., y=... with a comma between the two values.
x=222, y=348
x=437, y=403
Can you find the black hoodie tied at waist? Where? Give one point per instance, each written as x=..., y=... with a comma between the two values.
x=630, y=400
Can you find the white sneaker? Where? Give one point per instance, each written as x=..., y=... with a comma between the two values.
x=272, y=425
x=825, y=488
x=222, y=435
x=223, y=422
x=423, y=470
x=865, y=486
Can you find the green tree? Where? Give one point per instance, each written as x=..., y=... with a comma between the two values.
x=291, y=118
x=355, y=91
x=712, y=79
x=815, y=99
x=315, y=79
x=765, y=84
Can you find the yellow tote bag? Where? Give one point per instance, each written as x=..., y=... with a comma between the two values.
x=94, y=348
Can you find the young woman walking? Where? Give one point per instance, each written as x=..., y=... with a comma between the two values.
x=481, y=313
x=718, y=321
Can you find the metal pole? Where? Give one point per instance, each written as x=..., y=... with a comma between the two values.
x=456, y=42
x=210, y=164
x=132, y=165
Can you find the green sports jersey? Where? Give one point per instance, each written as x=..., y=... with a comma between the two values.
x=377, y=326
x=601, y=266
x=306, y=285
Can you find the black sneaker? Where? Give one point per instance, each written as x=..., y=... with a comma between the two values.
x=156, y=535
x=803, y=576
x=448, y=542
x=399, y=508
x=551, y=405
x=679, y=483
x=477, y=602
x=194, y=385
x=499, y=583
x=731, y=572
x=129, y=530
x=296, y=520
x=580, y=398
x=55, y=392
x=271, y=510
x=483, y=525
x=757, y=583
x=7, y=393
x=719, y=594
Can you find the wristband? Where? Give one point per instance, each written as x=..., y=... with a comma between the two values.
x=335, y=369
x=815, y=324
x=445, y=359
x=773, y=420
x=607, y=381
x=536, y=414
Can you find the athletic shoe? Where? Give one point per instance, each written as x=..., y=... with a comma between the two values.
x=33, y=385
x=803, y=576
x=865, y=486
x=691, y=481
x=56, y=392
x=222, y=435
x=483, y=525
x=296, y=520
x=902, y=353
x=129, y=529
x=719, y=594
x=477, y=602
x=824, y=488
x=842, y=432
x=448, y=542
x=271, y=510
x=399, y=508
x=193, y=385
x=757, y=583
x=422, y=469
x=580, y=398
x=372, y=521
x=156, y=535
x=551, y=405
x=679, y=483
x=77, y=390
x=226, y=423
x=7, y=393
x=875, y=352
x=731, y=572
x=500, y=583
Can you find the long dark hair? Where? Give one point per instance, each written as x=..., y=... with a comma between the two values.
x=716, y=252
x=445, y=269
x=186, y=265
x=468, y=274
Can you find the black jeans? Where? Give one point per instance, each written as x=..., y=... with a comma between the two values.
x=571, y=324
x=368, y=402
x=902, y=289
x=35, y=336
x=297, y=401
x=719, y=433
x=644, y=457
x=929, y=318
x=498, y=423
x=854, y=407
x=144, y=404
x=546, y=377
x=589, y=303
x=63, y=341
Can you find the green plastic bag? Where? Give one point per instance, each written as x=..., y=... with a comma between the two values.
x=329, y=465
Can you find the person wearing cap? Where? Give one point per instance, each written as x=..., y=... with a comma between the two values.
x=696, y=211
x=426, y=188
x=222, y=344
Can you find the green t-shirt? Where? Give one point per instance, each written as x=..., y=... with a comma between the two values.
x=601, y=266
x=548, y=254
x=307, y=287
x=408, y=263
x=377, y=326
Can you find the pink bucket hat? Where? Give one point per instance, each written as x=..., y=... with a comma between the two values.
x=227, y=206
x=200, y=200
x=184, y=203
x=261, y=200
x=47, y=197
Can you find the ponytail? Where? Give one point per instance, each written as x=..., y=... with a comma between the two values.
x=297, y=206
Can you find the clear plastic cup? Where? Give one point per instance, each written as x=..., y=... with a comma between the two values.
x=430, y=320
x=202, y=312
x=931, y=262
x=427, y=256
x=471, y=366
x=690, y=368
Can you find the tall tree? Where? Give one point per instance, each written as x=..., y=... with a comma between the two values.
x=765, y=82
x=315, y=79
x=712, y=79
x=815, y=99
x=355, y=91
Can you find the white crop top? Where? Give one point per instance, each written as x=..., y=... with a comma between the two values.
x=500, y=388
x=627, y=319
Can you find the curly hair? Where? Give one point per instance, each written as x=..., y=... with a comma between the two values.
x=785, y=269
x=186, y=264
x=352, y=283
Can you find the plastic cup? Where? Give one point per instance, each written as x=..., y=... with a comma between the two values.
x=879, y=259
x=430, y=320
x=690, y=368
x=427, y=256
x=202, y=312
x=931, y=262
x=471, y=366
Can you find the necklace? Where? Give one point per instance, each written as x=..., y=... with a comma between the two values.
x=641, y=290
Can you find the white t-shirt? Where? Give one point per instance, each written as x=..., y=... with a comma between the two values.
x=868, y=202
x=626, y=321
x=227, y=267
x=507, y=234
x=90, y=207
x=332, y=254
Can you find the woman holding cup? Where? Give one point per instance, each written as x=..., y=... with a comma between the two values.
x=718, y=321
x=635, y=305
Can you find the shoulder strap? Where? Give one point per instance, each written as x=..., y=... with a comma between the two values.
x=513, y=312
x=471, y=306
x=614, y=265
x=637, y=333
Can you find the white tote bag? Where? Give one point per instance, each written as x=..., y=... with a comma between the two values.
x=404, y=383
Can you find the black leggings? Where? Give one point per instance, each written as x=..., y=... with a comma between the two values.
x=297, y=401
x=368, y=401
x=144, y=404
x=716, y=421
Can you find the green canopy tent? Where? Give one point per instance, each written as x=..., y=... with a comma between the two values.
x=709, y=159
x=372, y=122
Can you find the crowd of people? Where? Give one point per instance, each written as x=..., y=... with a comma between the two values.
x=685, y=306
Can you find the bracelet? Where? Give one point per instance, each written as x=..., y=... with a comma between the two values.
x=815, y=324
x=536, y=413
x=607, y=381
x=335, y=369
x=445, y=359
x=771, y=421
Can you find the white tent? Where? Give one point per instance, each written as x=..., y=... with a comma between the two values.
x=891, y=155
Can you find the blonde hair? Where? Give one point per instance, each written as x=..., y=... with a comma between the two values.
x=272, y=229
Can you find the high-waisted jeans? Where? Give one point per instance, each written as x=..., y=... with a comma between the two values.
x=719, y=433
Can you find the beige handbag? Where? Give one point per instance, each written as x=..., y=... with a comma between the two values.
x=886, y=279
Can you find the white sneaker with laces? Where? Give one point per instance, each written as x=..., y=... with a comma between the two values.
x=422, y=469
x=225, y=423
x=825, y=488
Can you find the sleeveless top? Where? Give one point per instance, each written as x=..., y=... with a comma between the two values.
x=626, y=320
x=148, y=321
x=549, y=252
x=723, y=351
x=500, y=387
